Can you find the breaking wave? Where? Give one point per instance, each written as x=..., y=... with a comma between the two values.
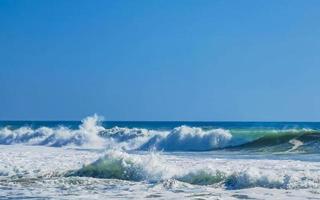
x=154, y=168
x=91, y=133
x=185, y=138
x=86, y=134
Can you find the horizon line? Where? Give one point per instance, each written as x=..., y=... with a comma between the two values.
x=190, y=121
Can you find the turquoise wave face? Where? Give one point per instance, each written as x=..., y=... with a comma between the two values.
x=293, y=140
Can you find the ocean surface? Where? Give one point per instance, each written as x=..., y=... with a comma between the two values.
x=95, y=159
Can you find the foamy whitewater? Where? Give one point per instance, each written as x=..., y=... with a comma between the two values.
x=93, y=159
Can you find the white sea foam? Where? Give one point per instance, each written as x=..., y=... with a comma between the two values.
x=29, y=168
x=40, y=171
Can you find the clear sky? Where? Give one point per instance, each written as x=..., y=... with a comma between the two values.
x=160, y=59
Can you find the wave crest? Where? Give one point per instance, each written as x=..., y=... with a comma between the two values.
x=186, y=138
x=120, y=165
x=155, y=168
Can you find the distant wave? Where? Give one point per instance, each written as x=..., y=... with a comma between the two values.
x=92, y=134
x=153, y=168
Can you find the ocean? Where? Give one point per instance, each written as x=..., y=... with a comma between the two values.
x=95, y=159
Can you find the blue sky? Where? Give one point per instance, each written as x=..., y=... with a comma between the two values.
x=160, y=60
